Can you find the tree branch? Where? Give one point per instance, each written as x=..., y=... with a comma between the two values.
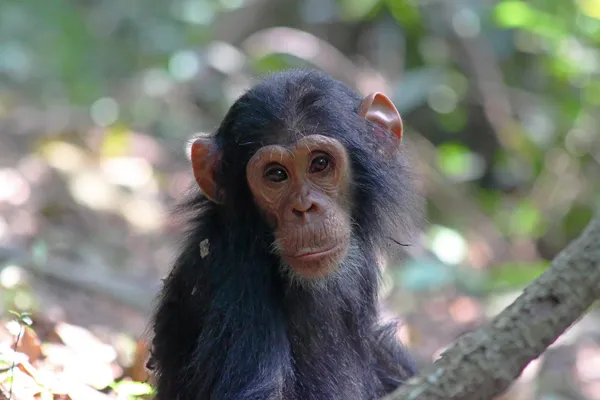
x=482, y=364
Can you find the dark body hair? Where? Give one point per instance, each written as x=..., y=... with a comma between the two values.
x=230, y=324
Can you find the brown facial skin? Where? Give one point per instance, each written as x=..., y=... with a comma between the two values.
x=303, y=192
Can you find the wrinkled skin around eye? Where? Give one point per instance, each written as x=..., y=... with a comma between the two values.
x=303, y=190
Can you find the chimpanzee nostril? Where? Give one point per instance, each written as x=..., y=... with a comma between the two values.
x=300, y=209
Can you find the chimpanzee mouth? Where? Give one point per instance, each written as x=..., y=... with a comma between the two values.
x=315, y=262
x=316, y=255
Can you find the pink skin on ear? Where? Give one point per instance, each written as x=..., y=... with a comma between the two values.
x=379, y=109
x=205, y=159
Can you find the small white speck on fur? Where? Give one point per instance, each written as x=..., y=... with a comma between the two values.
x=204, y=249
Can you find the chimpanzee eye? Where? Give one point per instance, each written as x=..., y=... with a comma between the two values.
x=319, y=163
x=276, y=174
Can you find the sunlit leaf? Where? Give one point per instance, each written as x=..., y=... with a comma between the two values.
x=116, y=141
x=356, y=9
x=404, y=11
x=518, y=14
x=63, y=155
x=132, y=389
x=278, y=62
x=526, y=220
x=458, y=162
x=511, y=14
x=590, y=8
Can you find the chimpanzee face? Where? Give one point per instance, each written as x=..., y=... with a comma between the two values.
x=303, y=191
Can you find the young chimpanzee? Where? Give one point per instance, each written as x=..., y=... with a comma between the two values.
x=274, y=294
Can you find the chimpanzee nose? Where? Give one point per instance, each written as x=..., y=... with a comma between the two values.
x=303, y=205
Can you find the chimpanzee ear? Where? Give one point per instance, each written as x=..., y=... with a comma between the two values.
x=205, y=161
x=379, y=109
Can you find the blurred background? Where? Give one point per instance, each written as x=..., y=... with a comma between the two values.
x=98, y=99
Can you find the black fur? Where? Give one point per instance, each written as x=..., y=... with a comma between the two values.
x=232, y=325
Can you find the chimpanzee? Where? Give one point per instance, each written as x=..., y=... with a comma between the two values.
x=275, y=293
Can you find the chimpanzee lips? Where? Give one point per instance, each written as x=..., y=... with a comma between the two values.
x=315, y=255
x=313, y=263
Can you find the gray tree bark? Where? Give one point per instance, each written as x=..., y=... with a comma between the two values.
x=482, y=364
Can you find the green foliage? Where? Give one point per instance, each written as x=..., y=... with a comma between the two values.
x=525, y=220
x=132, y=390
x=276, y=62
x=455, y=160
x=23, y=318
x=513, y=276
x=358, y=9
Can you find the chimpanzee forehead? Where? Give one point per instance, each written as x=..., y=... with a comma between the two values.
x=254, y=128
x=286, y=107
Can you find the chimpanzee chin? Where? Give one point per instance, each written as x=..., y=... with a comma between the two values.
x=304, y=187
